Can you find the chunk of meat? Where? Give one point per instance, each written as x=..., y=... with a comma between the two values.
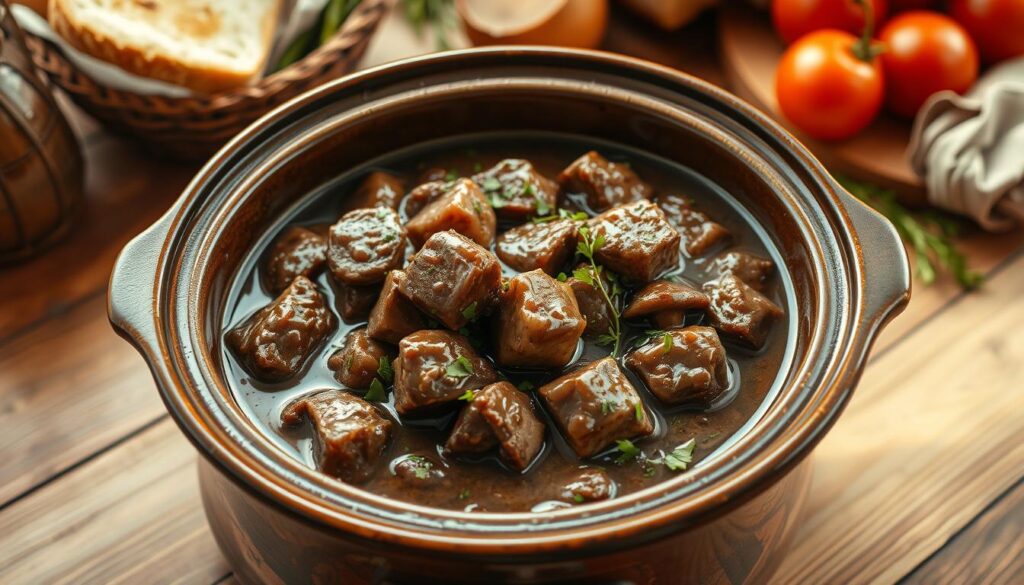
x=296, y=252
x=378, y=189
x=539, y=323
x=349, y=434
x=699, y=232
x=592, y=304
x=423, y=195
x=364, y=245
x=516, y=190
x=355, y=302
x=462, y=208
x=452, y=278
x=604, y=183
x=394, y=316
x=740, y=311
x=666, y=303
x=276, y=341
x=434, y=368
x=750, y=268
x=547, y=246
x=690, y=369
x=499, y=415
x=595, y=406
x=419, y=472
x=356, y=363
x=639, y=242
x=589, y=484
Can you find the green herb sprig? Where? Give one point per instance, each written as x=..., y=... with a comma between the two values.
x=327, y=24
x=438, y=15
x=586, y=247
x=929, y=234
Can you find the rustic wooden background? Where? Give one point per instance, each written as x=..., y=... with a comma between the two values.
x=920, y=481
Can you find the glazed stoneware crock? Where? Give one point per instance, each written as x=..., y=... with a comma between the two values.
x=727, y=520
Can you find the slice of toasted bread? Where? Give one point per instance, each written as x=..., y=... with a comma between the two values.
x=205, y=45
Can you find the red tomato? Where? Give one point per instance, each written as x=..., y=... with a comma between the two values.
x=925, y=52
x=997, y=26
x=824, y=89
x=795, y=18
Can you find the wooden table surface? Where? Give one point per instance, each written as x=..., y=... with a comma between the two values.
x=920, y=480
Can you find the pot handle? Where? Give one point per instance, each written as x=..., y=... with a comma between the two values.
x=886, y=267
x=132, y=287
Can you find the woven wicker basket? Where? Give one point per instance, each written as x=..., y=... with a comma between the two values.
x=195, y=127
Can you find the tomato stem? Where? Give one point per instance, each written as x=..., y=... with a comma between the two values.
x=863, y=48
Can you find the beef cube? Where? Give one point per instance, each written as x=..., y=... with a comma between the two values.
x=394, y=317
x=296, y=252
x=596, y=406
x=639, y=243
x=750, y=268
x=666, y=303
x=452, y=278
x=349, y=435
x=683, y=366
x=356, y=363
x=539, y=324
x=699, y=232
x=355, y=302
x=605, y=184
x=378, y=189
x=592, y=304
x=364, y=245
x=499, y=415
x=516, y=190
x=462, y=208
x=547, y=246
x=419, y=472
x=423, y=195
x=589, y=484
x=434, y=368
x=276, y=341
x=740, y=311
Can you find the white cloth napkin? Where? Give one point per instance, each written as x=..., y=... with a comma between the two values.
x=299, y=15
x=970, y=149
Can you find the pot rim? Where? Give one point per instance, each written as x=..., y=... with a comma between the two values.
x=666, y=507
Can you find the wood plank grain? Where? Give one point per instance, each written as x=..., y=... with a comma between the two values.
x=990, y=551
x=67, y=389
x=125, y=192
x=931, y=437
x=130, y=516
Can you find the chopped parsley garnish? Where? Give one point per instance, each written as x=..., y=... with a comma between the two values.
x=639, y=409
x=491, y=184
x=627, y=451
x=470, y=311
x=384, y=369
x=460, y=368
x=578, y=498
x=526, y=386
x=421, y=466
x=542, y=206
x=666, y=342
x=376, y=392
x=608, y=406
x=468, y=396
x=649, y=469
x=464, y=495
x=451, y=175
x=680, y=457
x=562, y=277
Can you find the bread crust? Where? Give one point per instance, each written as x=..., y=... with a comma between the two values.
x=205, y=80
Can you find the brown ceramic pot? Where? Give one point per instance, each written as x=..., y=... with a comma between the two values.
x=726, y=520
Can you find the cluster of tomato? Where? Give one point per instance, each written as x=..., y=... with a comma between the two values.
x=831, y=83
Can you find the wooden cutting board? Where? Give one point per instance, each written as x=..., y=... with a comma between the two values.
x=750, y=52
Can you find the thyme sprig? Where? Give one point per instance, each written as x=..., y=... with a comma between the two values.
x=586, y=247
x=929, y=235
x=437, y=15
